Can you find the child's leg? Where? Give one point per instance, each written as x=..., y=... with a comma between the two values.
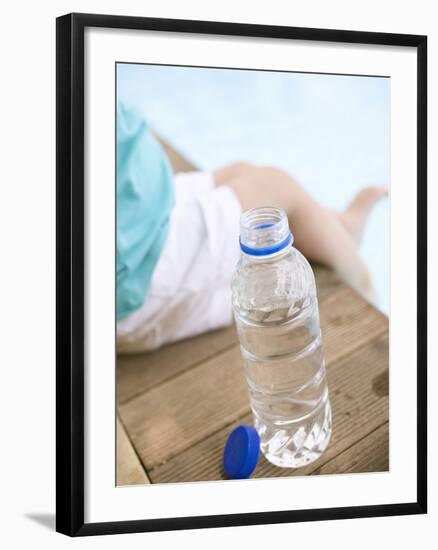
x=319, y=233
x=231, y=171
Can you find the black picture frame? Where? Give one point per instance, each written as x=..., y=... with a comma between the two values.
x=70, y=272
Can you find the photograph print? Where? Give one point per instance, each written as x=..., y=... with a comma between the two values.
x=252, y=273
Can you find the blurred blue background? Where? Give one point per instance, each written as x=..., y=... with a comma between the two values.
x=331, y=132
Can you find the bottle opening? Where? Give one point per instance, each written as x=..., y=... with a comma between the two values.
x=264, y=231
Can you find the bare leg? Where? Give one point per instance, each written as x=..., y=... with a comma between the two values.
x=319, y=232
x=231, y=171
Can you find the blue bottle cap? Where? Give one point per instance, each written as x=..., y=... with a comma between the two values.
x=241, y=452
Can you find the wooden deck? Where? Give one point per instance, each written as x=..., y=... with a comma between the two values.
x=177, y=405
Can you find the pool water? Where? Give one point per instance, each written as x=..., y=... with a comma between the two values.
x=331, y=132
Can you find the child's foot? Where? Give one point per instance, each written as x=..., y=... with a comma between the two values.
x=356, y=214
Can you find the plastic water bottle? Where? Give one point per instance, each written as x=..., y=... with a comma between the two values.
x=276, y=312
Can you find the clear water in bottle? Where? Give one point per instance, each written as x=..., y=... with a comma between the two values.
x=276, y=312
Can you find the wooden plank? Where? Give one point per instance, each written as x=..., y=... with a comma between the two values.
x=186, y=409
x=370, y=454
x=358, y=410
x=141, y=372
x=327, y=281
x=347, y=322
x=129, y=468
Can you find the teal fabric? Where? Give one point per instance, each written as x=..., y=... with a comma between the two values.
x=145, y=197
